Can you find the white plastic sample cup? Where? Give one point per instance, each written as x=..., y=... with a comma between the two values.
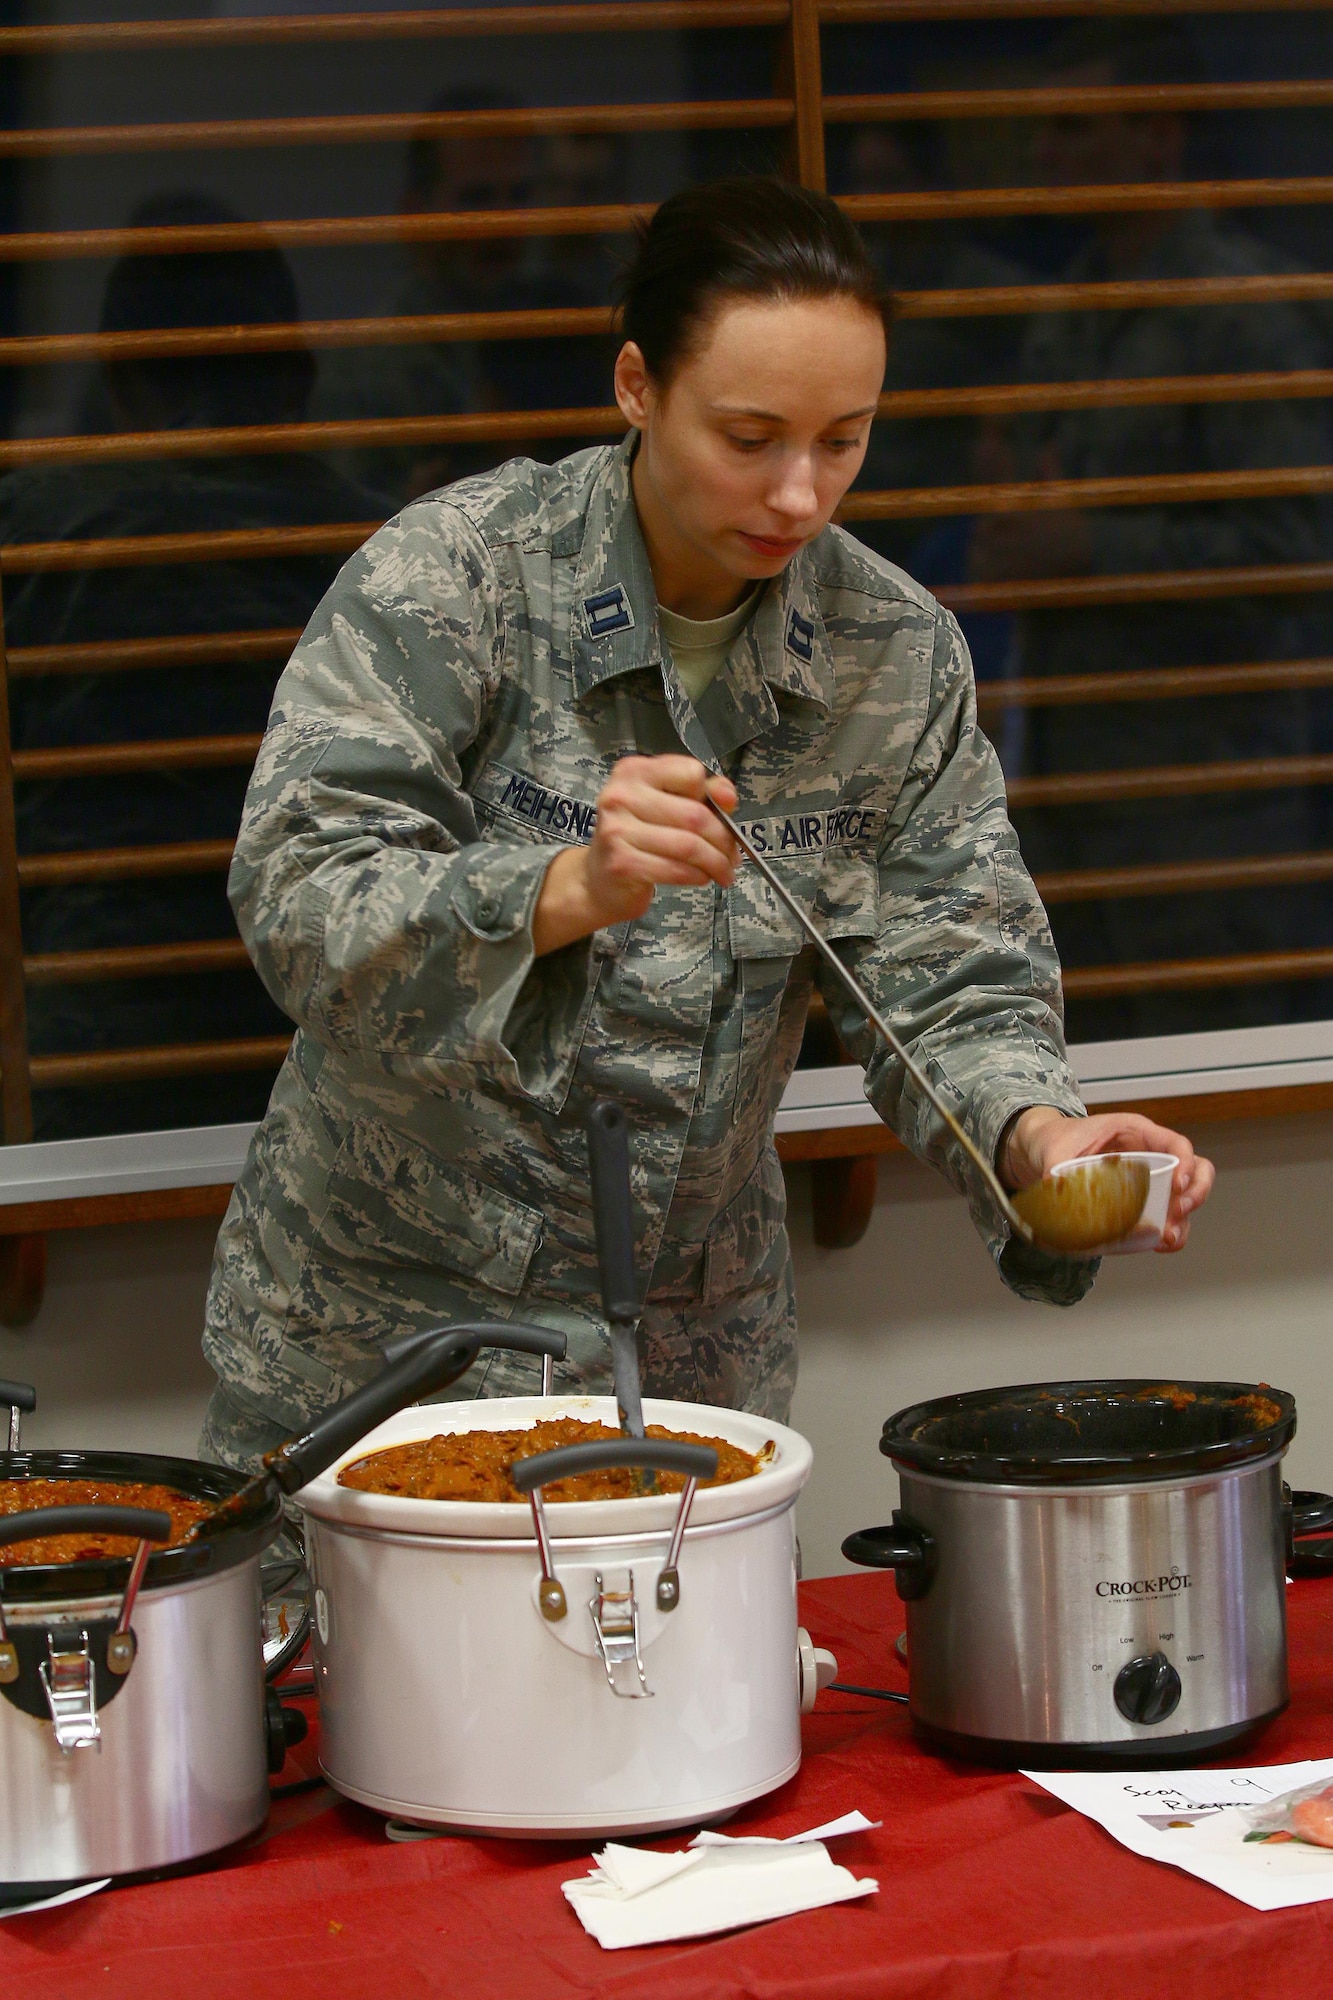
x=1147, y=1233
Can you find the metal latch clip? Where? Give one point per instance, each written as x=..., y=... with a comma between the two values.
x=67, y=1678
x=615, y=1624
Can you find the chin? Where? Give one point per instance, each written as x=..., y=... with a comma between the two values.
x=754, y=565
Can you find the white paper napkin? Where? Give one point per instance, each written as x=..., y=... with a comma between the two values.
x=634, y=1896
x=74, y=1895
x=1195, y=1820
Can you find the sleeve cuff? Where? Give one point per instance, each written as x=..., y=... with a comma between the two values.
x=496, y=893
x=1028, y=1272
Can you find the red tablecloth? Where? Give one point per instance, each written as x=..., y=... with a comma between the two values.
x=988, y=1887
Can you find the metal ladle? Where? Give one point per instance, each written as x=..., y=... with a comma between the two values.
x=607, y=1130
x=1075, y=1213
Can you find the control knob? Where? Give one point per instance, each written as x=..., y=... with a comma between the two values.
x=1147, y=1690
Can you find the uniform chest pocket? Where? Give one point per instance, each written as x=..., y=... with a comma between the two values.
x=839, y=890
x=393, y=1202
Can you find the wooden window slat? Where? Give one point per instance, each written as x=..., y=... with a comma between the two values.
x=1111, y=100
x=595, y=17
x=378, y=330
x=853, y=12
x=106, y=760
x=1180, y=878
x=393, y=128
x=208, y=545
x=33, y=246
x=135, y=961
x=493, y=427
x=1109, y=198
x=106, y=656
x=1113, y=295
x=124, y=864
x=1155, y=684
x=1012, y=399
x=166, y=1060
x=1181, y=975
x=1149, y=489
x=1168, y=586
x=1166, y=781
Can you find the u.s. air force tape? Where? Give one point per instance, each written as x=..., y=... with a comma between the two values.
x=811, y=832
x=568, y=818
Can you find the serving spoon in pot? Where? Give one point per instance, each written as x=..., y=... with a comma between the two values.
x=613, y=1222
x=1075, y=1213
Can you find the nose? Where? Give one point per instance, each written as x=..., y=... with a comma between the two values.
x=793, y=494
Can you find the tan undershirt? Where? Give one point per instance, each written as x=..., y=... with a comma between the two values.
x=699, y=646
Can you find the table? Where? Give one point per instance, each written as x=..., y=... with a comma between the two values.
x=989, y=1889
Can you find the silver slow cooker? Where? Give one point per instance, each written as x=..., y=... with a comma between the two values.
x=1092, y=1570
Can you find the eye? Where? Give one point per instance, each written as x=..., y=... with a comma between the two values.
x=843, y=444
x=748, y=444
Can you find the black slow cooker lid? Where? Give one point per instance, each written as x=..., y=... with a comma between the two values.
x=1062, y=1433
x=251, y=1533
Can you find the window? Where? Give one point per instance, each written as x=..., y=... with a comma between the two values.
x=265, y=277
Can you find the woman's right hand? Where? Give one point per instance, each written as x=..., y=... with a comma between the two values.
x=652, y=827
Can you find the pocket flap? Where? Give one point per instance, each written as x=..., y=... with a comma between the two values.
x=840, y=891
x=394, y=1202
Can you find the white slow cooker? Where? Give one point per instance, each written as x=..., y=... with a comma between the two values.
x=449, y=1696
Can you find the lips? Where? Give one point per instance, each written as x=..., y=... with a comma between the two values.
x=770, y=545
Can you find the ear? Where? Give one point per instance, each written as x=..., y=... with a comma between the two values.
x=634, y=386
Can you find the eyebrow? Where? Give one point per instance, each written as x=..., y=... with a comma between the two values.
x=771, y=417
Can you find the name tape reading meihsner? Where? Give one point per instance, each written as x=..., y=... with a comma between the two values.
x=572, y=820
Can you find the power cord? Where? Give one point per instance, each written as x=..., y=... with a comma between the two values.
x=879, y=1694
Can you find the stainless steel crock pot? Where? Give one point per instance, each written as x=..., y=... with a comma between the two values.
x=131, y=1745
x=591, y=1667
x=1092, y=1570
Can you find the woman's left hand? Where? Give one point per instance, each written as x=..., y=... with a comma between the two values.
x=1041, y=1137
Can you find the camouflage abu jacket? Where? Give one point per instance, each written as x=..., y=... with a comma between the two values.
x=444, y=726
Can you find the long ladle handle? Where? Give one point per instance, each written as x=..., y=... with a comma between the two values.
x=877, y=1021
x=426, y=1367
x=613, y=1222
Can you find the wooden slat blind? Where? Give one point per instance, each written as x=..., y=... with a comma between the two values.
x=798, y=114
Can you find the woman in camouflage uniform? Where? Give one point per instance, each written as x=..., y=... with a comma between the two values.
x=477, y=868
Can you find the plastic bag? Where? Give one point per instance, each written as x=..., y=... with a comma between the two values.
x=1305, y=1814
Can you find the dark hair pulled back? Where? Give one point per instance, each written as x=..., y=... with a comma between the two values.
x=750, y=236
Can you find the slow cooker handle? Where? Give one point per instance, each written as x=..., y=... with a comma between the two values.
x=1310, y=1512
x=430, y=1363
x=143, y=1524
x=906, y=1548
x=694, y=1461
